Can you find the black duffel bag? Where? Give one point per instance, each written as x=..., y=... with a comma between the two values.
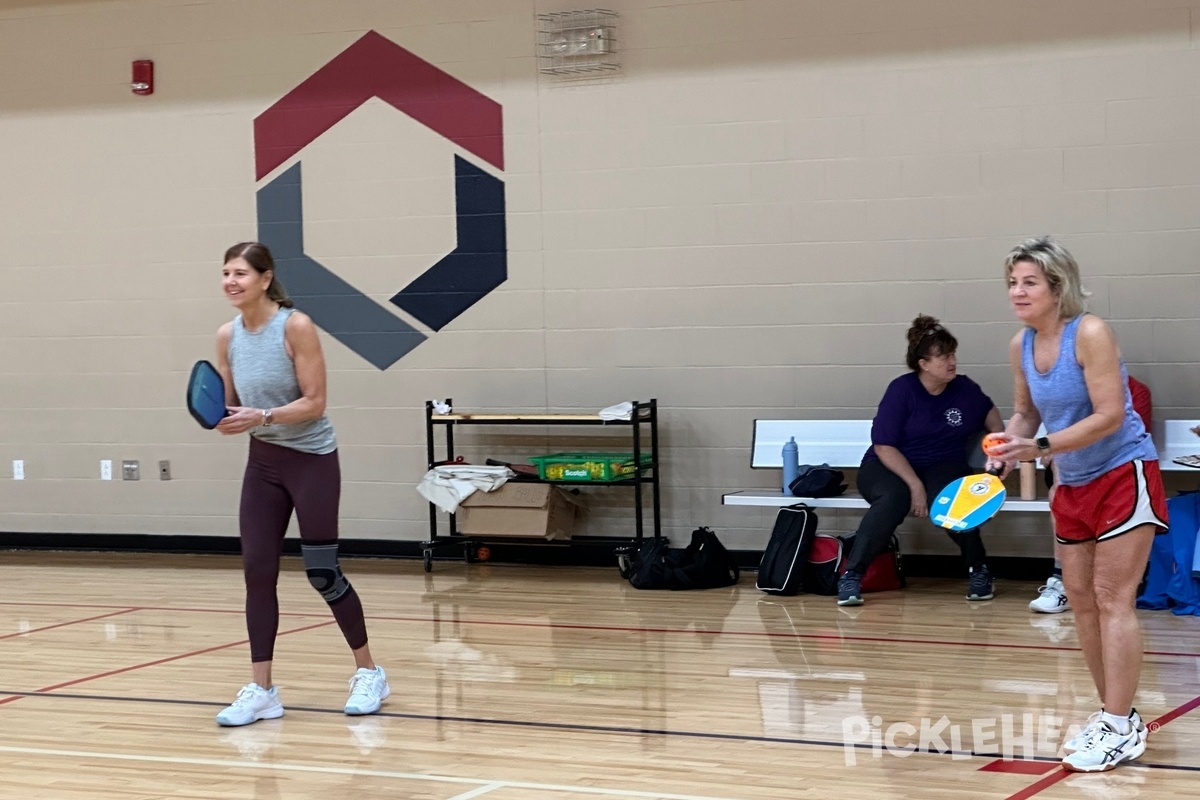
x=703, y=564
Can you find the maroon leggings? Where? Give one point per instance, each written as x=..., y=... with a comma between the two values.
x=279, y=480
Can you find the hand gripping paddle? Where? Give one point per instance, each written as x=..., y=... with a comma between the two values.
x=206, y=395
x=968, y=502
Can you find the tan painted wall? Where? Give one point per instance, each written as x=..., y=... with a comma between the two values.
x=740, y=223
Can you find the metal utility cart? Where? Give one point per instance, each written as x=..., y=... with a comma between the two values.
x=643, y=423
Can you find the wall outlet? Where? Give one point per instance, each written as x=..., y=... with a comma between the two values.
x=164, y=470
x=18, y=470
x=105, y=470
x=130, y=471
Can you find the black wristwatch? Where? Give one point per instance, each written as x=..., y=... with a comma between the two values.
x=1043, y=445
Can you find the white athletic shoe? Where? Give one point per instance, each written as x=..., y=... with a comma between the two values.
x=1052, y=598
x=252, y=704
x=1105, y=749
x=1076, y=742
x=368, y=689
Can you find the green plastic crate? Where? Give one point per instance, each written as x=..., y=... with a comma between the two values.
x=587, y=467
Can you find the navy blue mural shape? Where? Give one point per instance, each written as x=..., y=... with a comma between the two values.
x=477, y=265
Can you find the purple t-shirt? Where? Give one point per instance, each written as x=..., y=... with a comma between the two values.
x=929, y=428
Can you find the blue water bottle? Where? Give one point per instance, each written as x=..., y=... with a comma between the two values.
x=791, y=464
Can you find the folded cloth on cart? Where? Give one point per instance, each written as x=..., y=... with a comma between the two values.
x=619, y=411
x=448, y=485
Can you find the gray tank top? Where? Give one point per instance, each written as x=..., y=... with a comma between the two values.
x=265, y=377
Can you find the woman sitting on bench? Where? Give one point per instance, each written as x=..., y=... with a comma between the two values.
x=919, y=441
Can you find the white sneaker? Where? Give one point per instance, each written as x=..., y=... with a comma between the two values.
x=1105, y=749
x=1052, y=598
x=252, y=704
x=368, y=689
x=1076, y=742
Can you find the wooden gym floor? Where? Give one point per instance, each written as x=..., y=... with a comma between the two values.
x=553, y=683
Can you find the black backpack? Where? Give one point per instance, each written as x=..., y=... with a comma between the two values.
x=818, y=481
x=703, y=564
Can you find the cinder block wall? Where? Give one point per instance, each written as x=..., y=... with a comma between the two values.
x=741, y=221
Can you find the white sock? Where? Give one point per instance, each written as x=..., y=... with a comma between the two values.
x=1121, y=725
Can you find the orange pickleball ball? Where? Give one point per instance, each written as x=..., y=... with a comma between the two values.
x=991, y=442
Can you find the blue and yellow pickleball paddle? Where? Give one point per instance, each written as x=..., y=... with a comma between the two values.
x=968, y=502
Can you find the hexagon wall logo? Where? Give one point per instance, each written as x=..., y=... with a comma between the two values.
x=376, y=67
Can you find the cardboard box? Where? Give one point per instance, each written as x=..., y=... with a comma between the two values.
x=532, y=510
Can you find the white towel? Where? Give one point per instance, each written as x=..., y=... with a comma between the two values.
x=448, y=485
x=619, y=411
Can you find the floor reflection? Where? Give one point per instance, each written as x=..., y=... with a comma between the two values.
x=253, y=742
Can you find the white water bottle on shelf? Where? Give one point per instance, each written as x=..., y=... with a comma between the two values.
x=791, y=464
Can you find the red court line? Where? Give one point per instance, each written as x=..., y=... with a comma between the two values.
x=1044, y=783
x=156, y=662
x=1170, y=716
x=1062, y=774
x=187, y=609
x=828, y=637
x=151, y=608
x=174, y=658
x=1019, y=767
x=71, y=622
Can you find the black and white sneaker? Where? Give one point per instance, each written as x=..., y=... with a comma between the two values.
x=1105, y=749
x=1052, y=598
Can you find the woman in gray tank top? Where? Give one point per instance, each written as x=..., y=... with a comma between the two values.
x=1109, y=501
x=270, y=357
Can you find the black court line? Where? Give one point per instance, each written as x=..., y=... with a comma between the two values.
x=575, y=727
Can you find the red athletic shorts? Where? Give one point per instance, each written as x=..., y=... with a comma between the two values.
x=1117, y=502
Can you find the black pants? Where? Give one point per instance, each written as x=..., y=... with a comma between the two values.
x=891, y=501
x=279, y=480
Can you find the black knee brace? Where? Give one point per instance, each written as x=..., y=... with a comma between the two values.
x=324, y=572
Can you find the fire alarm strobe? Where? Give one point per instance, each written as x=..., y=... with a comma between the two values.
x=143, y=77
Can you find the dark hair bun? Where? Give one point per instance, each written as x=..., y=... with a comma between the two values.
x=922, y=326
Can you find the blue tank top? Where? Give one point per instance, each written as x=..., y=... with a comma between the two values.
x=265, y=377
x=1061, y=397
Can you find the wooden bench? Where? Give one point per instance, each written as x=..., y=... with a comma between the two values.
x=841, y=443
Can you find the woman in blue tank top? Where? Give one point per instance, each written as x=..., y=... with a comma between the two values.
x=1109, y=502
x=270, y=357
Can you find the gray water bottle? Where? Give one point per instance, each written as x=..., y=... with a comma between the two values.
x=791, y=464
